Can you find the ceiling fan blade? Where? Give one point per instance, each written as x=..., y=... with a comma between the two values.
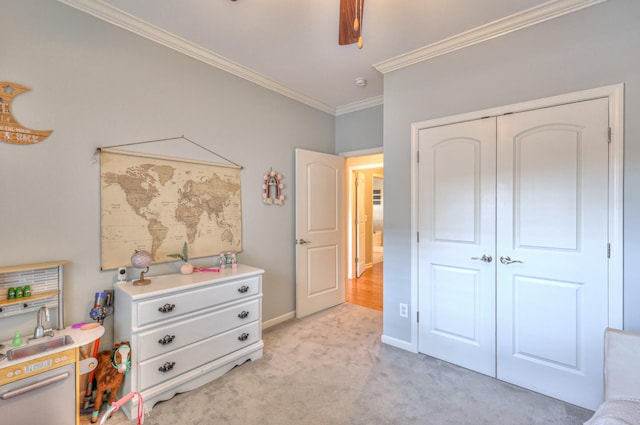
x=350, y=10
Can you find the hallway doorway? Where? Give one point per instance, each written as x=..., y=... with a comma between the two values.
x=377, y=242
x=366, y=290
x=365, y=235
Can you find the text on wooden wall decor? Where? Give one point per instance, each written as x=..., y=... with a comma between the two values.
x=10, y=130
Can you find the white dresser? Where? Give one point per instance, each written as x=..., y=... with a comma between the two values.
x=187, y=330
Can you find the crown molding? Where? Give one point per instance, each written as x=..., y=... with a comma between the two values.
x=535, y=15
x=358, y=106
x=500, y=27
x=142, y=28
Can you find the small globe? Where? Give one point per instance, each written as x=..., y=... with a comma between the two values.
x=141, y=259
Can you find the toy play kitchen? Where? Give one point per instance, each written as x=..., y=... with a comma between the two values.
x=40, y=367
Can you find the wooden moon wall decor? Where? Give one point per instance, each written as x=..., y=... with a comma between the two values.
x=10, y=130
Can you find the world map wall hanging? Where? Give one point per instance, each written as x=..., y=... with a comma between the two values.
x=10, y=130
x=156, y=203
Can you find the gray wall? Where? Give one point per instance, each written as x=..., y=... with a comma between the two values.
x=97, y=85
x=591, y=48
x=360, y=130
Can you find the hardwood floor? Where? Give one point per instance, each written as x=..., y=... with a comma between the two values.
x=367, y=289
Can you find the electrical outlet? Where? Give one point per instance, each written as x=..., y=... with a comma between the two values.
x=404, y=310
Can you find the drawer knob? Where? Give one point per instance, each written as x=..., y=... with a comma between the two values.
x=243, y=315
x=243, y=337
x=167, y=339
x=243, y=289
x=167, y=308
x=167, y=366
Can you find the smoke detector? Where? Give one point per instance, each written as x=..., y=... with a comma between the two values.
x=360, y=82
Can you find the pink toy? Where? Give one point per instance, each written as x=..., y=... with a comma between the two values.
x=202, y=269
x=118, y=404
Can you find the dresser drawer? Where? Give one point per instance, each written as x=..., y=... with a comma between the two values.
x=173, y=305
x=177, y=362
x=167, y=338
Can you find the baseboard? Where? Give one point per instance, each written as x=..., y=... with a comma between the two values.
x=398, y=343
x=276, y=320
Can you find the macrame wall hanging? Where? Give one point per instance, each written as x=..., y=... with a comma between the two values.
x=272, y=188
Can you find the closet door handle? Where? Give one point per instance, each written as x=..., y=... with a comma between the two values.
x=507, y=260
x=485, y=258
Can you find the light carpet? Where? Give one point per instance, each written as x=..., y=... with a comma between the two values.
x=331, y=368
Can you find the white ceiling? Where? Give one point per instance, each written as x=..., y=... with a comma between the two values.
x=291, y=46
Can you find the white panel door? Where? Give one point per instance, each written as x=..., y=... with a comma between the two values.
x=457, y=243
x=320, y=276
x=538, y=205
x=552, y=237
x=361, y=225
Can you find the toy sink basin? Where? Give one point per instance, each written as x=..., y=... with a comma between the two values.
x=39, y=347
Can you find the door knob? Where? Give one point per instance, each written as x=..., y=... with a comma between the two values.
x=302, y=241
x=507, y=260
x=486, y=258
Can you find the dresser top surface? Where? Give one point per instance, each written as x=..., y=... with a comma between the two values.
x=175, y=281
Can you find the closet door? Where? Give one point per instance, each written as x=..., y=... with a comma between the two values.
x=552, y=238
x=456, y=268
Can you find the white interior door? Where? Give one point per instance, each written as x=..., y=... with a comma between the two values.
x=542, y=175
x=320, y=237
x=553, y=226
x=457, y=244
x=361, y=225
